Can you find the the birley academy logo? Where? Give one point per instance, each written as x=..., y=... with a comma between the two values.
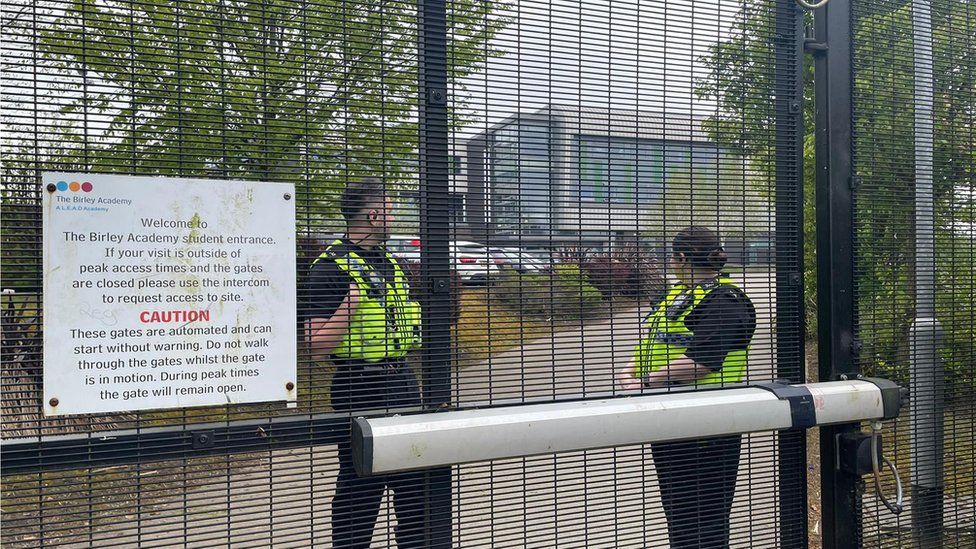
x=74, y=196
x=73, y=186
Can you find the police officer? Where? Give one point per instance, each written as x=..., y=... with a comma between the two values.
x=362, y=317
x=698, y=335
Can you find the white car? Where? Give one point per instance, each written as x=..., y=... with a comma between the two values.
x=406, y=248
x=522, y=260
x=471, y=260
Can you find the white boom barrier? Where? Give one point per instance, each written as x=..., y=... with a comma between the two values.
x=408, y=442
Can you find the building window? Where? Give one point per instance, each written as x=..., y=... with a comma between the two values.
x=625, y=172
x=621, y=172
x=520, y=175
x=406, y=212
x=456, y=209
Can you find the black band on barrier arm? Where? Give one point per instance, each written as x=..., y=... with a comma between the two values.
x=893, y=396
x=802, y=412
x=362, y=447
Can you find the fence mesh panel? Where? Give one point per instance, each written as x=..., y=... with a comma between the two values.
x=590, y=138
x=914, y=105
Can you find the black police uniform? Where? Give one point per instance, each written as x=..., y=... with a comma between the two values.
x=357, y=385
x=697, y=477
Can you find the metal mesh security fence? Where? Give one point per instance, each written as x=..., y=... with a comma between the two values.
x=914, y=103
x=595, y=135
x=311, y=93
x=536, y=161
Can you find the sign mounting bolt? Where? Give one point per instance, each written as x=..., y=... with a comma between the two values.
x=54, y=402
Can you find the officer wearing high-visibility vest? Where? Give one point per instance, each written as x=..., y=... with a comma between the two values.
x=698, y=335
x=361, y=316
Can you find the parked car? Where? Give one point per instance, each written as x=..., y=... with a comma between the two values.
x=471, y=261
x=466, y=246
x=523, y=261
x=502, y=259
x=405, y=248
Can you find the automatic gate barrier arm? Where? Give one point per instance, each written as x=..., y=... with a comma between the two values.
x=401, y=443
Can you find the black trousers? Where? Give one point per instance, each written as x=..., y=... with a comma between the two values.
x=697, y=479
x=357, y=501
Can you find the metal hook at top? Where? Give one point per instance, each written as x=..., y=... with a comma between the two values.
x=897, y=506
x=812, y=5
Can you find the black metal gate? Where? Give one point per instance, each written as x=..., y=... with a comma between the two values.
x=541, y=156
x=895, y=172
x=913, y=152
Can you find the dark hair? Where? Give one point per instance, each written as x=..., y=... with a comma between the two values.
x=700, y=246
x=359, y=195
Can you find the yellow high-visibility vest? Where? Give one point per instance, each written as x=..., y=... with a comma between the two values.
x=667, y=336
x=386, y=323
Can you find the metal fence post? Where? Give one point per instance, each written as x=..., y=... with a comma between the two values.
x=791, y=445
x=841, y=492
x=435, y=260
x=927, y=371
x=928, y=431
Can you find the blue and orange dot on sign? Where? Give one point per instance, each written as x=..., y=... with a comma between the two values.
x=75, y=186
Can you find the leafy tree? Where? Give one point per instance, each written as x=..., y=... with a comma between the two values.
x=312, y=91
x=741, y=80
x=309, y=91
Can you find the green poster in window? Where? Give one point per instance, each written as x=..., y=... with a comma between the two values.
x=625, y=195
x=599, y=183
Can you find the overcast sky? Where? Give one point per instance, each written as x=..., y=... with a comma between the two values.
x=600, y=53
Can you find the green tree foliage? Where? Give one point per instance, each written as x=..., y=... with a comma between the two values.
x=741, y=80
x=884, y=149
x=312, y=91
x=309, y=91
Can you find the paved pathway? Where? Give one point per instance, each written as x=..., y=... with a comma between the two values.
x=598, y=498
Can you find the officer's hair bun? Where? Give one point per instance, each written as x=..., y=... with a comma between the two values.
x=701, y=246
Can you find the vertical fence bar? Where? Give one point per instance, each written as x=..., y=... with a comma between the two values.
x=927, y=371
x=835, y=258
x=791, y=445
x=434, y=253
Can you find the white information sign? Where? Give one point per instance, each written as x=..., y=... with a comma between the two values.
x=163, y=293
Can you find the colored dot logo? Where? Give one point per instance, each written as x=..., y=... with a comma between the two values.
x=75, y=186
